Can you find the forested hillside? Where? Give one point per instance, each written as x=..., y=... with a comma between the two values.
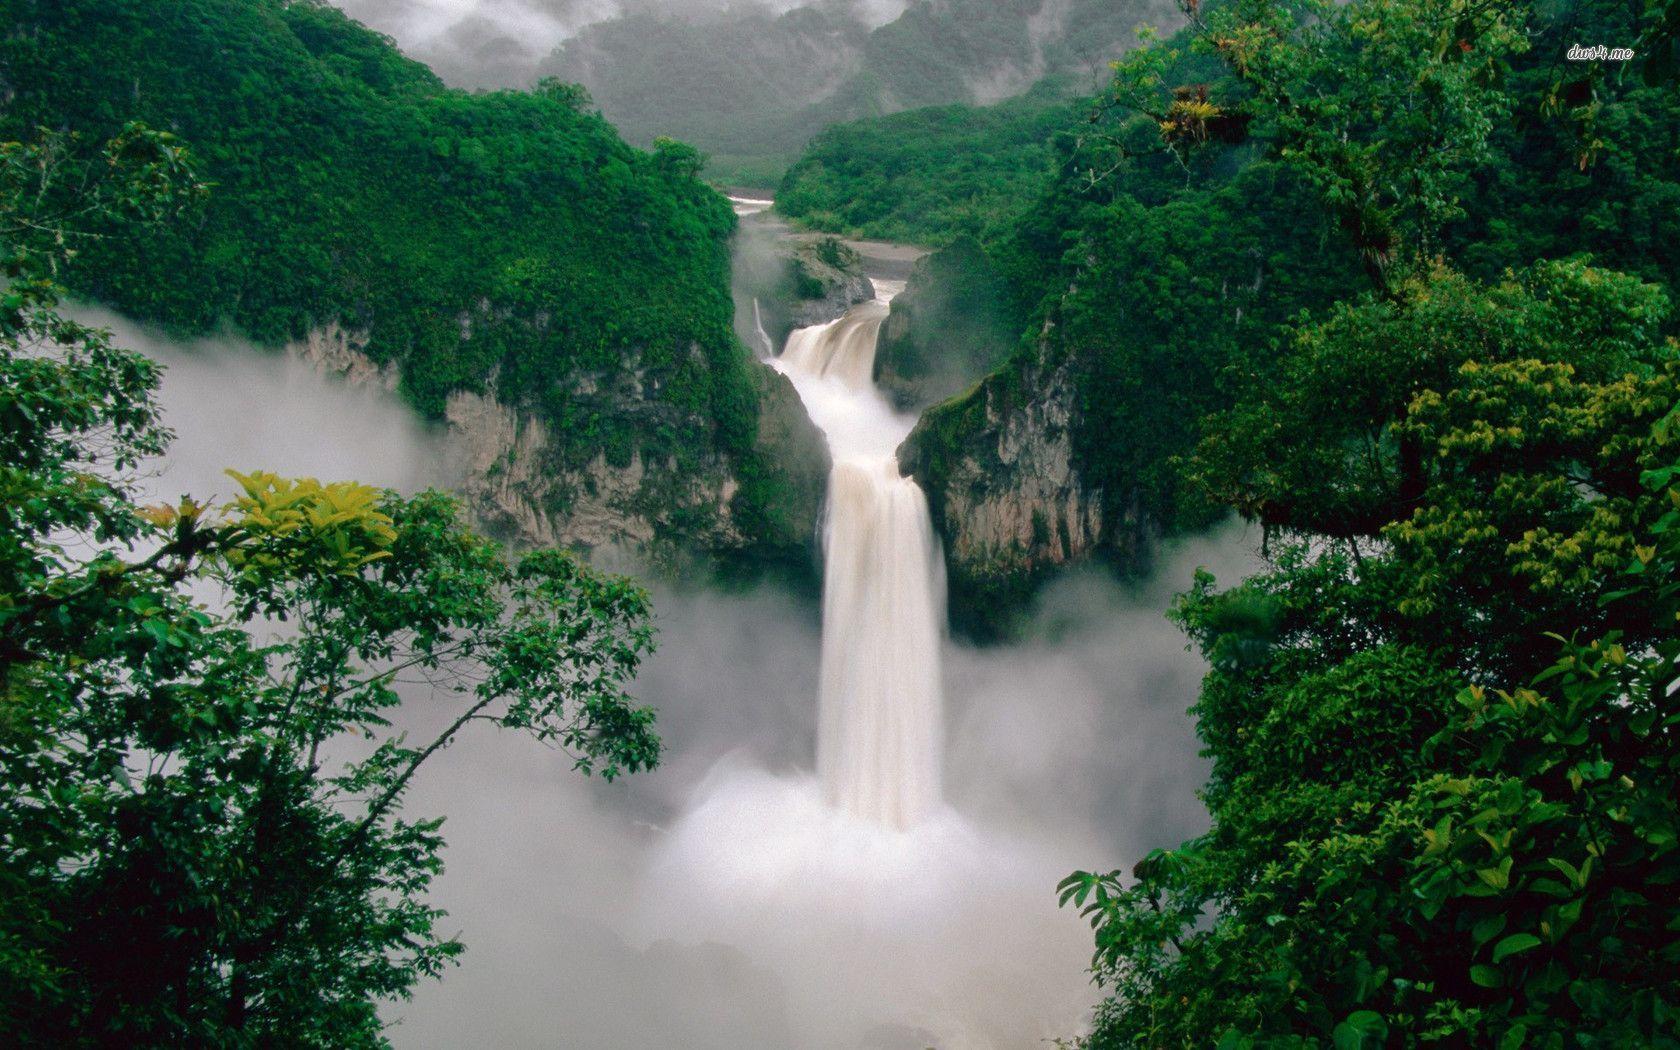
x=928, y=176
x=510, y=240
x=1159, y=251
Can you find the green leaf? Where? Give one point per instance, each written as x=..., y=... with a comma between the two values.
x=1517, y=942
x=1361, y=1029
x=1575, y=877
x=1487, y=929
x=1234, y=1040
x=1486, y=976
x=1498, y=878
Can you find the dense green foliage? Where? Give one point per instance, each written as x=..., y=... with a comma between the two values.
x=1445, y=788
x=1431, y=819
x=508, y=235
x=928, y=176
x=1386, y=276
x=1166, y=246
x=953, y=323
x=199, y=839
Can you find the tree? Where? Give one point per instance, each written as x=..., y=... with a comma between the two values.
x=1445, y=782
x=1402, y=856
x=1386, y=105
x=1445, y=761
x=194, y=851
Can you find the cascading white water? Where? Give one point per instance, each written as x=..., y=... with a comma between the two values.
x=767, y=349
x=880, y=718
x=879, y=914
x=844, y=351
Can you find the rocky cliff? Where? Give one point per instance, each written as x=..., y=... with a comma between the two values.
x=999, y=468
x=525, y=486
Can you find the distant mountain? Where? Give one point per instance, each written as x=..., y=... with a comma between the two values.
x=746, y=81
x=480, y=43
x=751, y=83
x=736, y=81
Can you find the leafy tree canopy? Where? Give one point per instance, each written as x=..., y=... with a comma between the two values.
x=200, y=788
x=1442, y=723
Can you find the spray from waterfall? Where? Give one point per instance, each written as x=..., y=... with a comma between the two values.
x=720, y=902
x=880, y=699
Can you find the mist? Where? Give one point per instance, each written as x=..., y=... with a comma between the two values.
x=499, y=43
x=234, y=405
x=715, y=902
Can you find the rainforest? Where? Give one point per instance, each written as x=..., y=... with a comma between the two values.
x=840, y=524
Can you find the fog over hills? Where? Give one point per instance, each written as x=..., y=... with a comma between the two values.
x=750, y=83
x=500, y=43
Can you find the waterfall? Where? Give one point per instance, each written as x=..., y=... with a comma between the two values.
x=766, y=348
x=880, y=695
x=843, y=350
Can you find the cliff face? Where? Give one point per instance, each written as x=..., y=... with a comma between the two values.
x=951, y=325
x=1005, y=491
x=525, y=487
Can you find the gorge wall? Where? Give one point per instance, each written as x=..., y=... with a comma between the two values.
x=1006, y=492
x=525, y=484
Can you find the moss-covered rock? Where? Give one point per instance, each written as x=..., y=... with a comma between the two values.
x=950, y=326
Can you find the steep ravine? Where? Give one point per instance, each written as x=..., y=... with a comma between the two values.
x=994, y=449
x=524, y=484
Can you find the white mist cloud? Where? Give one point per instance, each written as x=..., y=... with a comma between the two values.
x=233, y=405
x=539, y=24
x=715, y=903
x=497, y=43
